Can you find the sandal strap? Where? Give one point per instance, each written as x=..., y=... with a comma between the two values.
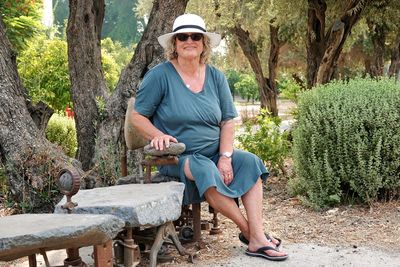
x=266, y=248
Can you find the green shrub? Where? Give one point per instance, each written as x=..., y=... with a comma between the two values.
x=233, y=77
x=61, y=130
x=247, y=87
x=347, y=142
x=289, y=89
x=266, y=140
x=43, y=67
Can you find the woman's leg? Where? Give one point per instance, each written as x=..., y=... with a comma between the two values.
x=253, y=204
x=223, y=204
x=227, y=207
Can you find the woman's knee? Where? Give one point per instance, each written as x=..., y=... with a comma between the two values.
x=187, y=171
x=210, y=193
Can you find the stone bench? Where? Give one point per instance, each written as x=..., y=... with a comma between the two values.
x=28, y=234
x=138, y=205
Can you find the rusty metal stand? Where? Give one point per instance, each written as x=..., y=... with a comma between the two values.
x=215, y=229
x=126, y=252
x=32, y=260
x=196, y=222
x=131, y=251
x=163, y=232
x=157, y=161
x=103, y=255
x=73, y=258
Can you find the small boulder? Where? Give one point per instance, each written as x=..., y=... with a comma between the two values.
x=174, y=149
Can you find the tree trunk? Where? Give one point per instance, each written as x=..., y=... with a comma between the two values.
x=31, y=162
x=88, y=87
x=337, y=36
x=394, y=67
x=326, y=67
x=110, y=146
x=315, y=38
x=41, y=114
x=267, y=96
x=273, y=67
x=378, y=37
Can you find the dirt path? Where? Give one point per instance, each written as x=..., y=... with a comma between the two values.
x=285, y=108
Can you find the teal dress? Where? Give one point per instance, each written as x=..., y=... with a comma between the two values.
x=194, y=119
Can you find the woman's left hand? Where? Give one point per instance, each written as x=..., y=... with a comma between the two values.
x=225, y=168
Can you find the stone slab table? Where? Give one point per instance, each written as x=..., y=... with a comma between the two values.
x=138, y=205
x=28, y=234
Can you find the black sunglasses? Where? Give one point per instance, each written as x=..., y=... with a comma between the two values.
x=183, y=37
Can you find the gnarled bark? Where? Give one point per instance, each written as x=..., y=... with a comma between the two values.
x=332, y=44
x=31, y=162
x=275, y=45
x=41, y=114
x=315, y=43
x=267, y=94
x=86, y=73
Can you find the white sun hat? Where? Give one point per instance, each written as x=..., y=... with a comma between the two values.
x=189, y=23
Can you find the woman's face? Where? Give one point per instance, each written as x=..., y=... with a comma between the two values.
x=189, y=47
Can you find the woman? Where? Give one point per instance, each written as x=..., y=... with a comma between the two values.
x=187, y=100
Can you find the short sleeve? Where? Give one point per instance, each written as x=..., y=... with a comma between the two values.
x=228, y=108
x=149, y=94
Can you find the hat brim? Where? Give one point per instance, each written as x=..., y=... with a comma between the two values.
x=215, y=38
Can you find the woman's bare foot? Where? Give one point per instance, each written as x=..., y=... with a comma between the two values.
x=256, y=248
x=244, y=238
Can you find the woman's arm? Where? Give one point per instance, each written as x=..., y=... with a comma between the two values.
x=226, y=146
x=144, y=126
x=227, y=136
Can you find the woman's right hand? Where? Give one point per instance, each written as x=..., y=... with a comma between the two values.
x=162, y=141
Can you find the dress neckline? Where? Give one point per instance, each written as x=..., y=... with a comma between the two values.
x=183, y=82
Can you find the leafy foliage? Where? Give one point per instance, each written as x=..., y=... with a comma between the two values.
x=120, y=21
x=233, y=77
x=61, y=130
x=43, y=67
x=289, y=89
x=346, y=144
x=22, y=20
x=114, y=58
x=266, y=140
x=247, y=87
